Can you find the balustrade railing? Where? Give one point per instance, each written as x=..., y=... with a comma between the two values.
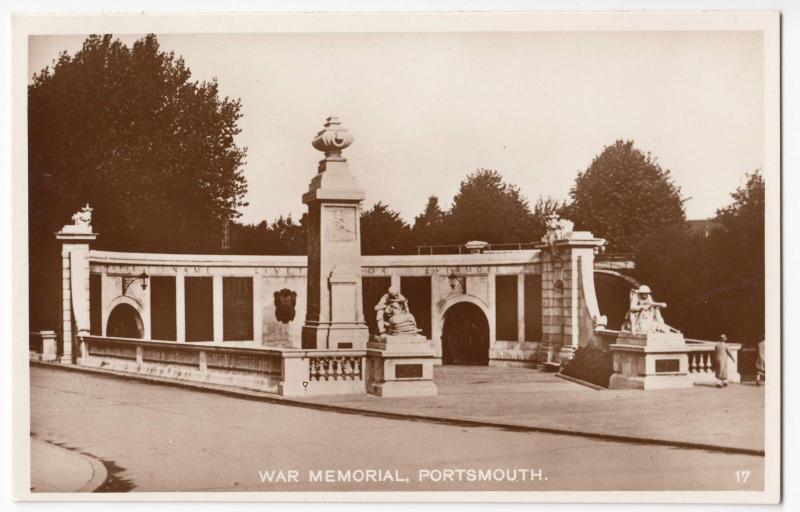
x=283, y=371
x=702, y=361
x=335, y=368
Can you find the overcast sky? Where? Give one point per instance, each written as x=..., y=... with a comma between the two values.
x=426, y=109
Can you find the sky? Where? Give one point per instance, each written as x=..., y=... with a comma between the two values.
x=426, y=109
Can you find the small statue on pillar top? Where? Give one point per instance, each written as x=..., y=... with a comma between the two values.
x=81, y=221
x=392, y=315
x=557, y=228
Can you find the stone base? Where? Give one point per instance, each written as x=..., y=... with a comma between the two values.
x=652, y=340
x=49, y=346
x=650, y=361
x=334, y=335
x=513, y=354
x=400, y=366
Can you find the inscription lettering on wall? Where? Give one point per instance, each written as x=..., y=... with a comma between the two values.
x=457, y=270
x=133, y=271
x=341, y=225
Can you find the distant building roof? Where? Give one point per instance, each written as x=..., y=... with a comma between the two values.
x=701, y=226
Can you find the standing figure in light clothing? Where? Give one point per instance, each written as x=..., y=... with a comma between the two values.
x=760, y=366
x=722, y=353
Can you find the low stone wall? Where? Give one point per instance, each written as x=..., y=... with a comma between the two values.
x=514, y=354
x=285, y=372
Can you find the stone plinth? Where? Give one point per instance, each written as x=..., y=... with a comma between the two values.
x=650, y=361
x=49, y=346
x=400, y=366
x=75, y=239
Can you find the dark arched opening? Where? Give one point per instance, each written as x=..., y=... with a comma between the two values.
x=613, y=291
x=465, y=335
x=124, y=322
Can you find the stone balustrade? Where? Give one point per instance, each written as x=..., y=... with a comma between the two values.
x=285, y=372
x=327, y=368
x=702, y=364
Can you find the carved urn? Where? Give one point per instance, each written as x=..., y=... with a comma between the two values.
x=332, y=139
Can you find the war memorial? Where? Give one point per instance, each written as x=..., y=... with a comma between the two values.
x=337, y=322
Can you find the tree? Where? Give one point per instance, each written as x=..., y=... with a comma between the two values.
x=736, y=245
x=429, y=226
x=126, y=130
x=740, y=230
x=675, y=263
x=713, y=284
x=285, y=236
x=486, y=208
x=383, y=231
x=248, y=238
x=624, y=196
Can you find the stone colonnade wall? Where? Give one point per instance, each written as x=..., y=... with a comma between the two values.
x=568, y=302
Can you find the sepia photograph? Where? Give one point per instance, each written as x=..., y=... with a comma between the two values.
x=438, y=257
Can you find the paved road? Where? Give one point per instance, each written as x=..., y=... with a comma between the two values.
x=164, y=438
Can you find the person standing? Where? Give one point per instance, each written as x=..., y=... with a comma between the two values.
x=722, y=353
x=760, y=366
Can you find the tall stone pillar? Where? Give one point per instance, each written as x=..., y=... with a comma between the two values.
x=334, y=315
x=568, y=297
x=75, y=239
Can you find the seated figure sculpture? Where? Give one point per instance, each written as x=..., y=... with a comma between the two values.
x=392, y=315
x=644, y=314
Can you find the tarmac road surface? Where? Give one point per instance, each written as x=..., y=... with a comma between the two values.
x=156, y=437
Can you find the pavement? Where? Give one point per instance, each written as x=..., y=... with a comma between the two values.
x=730, y=418
x=156, y=437
x=58, y=469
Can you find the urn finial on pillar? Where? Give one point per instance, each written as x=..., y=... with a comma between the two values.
x=334, y=180
x=332, y=139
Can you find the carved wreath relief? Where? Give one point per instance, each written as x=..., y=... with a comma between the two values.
x=341, y=225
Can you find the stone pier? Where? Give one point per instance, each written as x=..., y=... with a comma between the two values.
x=334, y=317
x=75, y=239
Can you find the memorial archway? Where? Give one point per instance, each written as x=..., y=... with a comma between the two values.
x=124, y=322
x=465, y=335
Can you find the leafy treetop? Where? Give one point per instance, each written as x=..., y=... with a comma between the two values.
x=623, y=196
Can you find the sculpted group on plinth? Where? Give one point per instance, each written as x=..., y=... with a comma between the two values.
x=400, y=358
x=644, y=313
x=393, y=316
x=648, y=353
